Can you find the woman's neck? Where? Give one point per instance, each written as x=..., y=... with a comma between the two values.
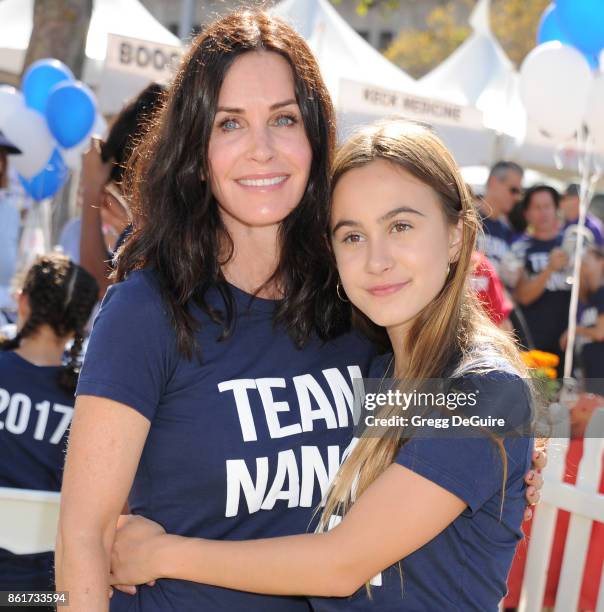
x=255, y=258
x=44, y=348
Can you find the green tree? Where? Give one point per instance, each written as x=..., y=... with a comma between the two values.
x=418, y=51
x=514, y=23
x=364, y=6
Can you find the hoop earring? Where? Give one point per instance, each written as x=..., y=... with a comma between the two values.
x=448, y=268
x=339, y=294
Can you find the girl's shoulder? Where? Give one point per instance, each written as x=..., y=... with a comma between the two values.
x=381, y=366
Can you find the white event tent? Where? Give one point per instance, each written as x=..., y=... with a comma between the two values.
x=364, y=85
x=125, y=18
x=480, y=74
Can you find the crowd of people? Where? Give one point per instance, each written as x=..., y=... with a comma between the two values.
x=529, y=236
x=249, y=274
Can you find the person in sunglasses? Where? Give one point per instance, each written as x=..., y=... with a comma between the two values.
x=503, y=191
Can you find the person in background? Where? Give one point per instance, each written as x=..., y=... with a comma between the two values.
x=569, y=206
x=10, y=226
x=503, y=191
x=589, y=343
x=543, y=292
x=105, y=211
x=37, y=394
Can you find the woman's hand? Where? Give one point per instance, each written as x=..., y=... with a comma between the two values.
x=534, y=480
x=133, y=552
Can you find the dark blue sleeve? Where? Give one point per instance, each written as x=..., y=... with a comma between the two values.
x=471, y=466
x=131, y=347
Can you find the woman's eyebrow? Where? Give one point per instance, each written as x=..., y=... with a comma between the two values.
x=344, y=223
x=241, y=111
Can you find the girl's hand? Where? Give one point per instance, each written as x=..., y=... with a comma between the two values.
x=133, y=552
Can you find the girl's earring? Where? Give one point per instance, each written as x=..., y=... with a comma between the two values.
x=448, y=268
x=339, y=294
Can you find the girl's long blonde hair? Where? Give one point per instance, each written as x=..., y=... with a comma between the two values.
x=450, y=331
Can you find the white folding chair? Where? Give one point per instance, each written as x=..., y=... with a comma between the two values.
x=28, y=520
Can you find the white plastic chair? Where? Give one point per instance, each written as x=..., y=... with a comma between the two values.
x=28, y=520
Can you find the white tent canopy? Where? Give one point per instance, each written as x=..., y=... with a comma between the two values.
x=480, y=74
x=124, y=17
x=341, y=52
x=359, y=78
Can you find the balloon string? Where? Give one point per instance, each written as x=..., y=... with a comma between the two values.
x=586, y=189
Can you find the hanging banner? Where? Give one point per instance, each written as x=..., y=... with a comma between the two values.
x=130, y=65
x=357, y=97
x=155, y=61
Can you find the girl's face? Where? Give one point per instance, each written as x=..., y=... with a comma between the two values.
x=259, y=154
x=391, y=241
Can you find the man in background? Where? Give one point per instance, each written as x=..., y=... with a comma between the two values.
x=503, y=190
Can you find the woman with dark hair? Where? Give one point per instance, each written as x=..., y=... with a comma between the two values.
x=36, y=394
x=218, y=383
x=220, y=366
x=543, y=291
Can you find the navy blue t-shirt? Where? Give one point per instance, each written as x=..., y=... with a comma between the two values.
x=495, y=240
x=241, y=445
x=546, y=317
x=465, y=567
x=35, y=414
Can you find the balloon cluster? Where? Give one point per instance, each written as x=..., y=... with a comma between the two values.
x=561, y=85
x=50, y=121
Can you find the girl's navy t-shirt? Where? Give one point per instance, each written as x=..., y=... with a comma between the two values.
x=35, y=414
x=241, y=445
x=465, y=567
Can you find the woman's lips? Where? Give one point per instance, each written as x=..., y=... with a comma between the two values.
x=384, y=290
x=266, y=182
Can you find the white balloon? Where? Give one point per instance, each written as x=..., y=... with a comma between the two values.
x=555, y=81
x=100, y=127
x=10, y=100
x=27, y=129
x=594, y=114
x=73, y=156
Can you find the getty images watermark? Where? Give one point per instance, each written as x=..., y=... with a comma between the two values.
x=470, y=407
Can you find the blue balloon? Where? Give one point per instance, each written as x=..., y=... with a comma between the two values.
x=583, y=23
x=70, y=113
x=549, y=29
x=47, y=182
x=40, y=78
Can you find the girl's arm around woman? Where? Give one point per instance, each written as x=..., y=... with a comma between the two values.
x=395, y=516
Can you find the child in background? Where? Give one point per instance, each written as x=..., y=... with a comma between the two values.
x=36, y=394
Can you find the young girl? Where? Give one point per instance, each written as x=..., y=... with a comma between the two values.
x=403, y=230
x=36, y=393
